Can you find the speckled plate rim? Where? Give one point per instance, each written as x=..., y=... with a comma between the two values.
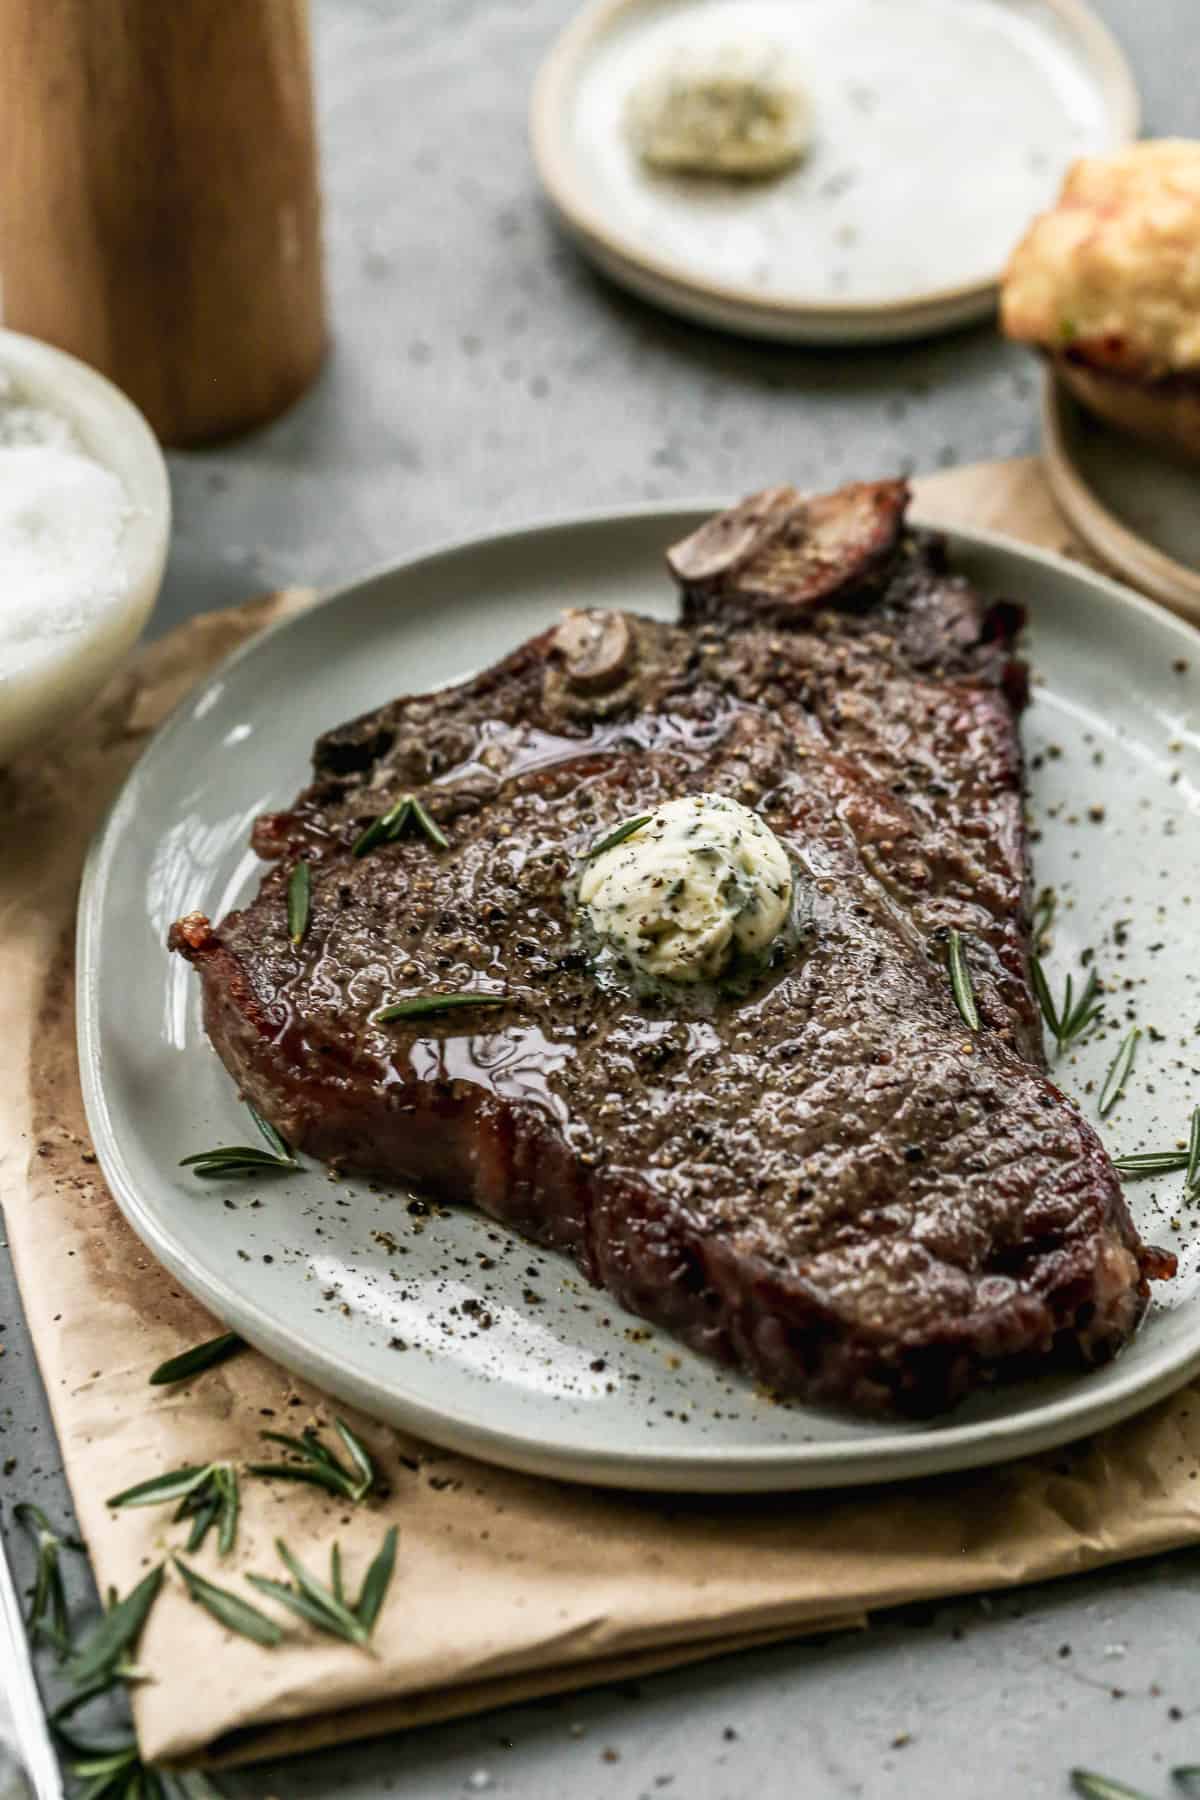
x=730, y=304
x=891, y=1456
x=1130, y=555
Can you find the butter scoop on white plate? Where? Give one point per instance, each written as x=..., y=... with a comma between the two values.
x=84, y=522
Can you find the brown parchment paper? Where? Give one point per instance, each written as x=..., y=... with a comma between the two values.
x=506, y=1586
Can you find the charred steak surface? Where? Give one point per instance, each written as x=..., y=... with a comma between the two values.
x=826, y=1179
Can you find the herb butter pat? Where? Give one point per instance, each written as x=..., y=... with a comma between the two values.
x=730, y=110
x=700, y=885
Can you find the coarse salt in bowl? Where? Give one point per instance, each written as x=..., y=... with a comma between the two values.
x=85, y=517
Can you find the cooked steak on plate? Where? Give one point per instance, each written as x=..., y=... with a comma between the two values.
x=754, y=1113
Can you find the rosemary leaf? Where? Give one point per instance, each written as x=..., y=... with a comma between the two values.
x=1150, y=1162
x=299, y=902
x=429, y=825
x=117, y=1631
x=196, y=1360
x=247, y=1153
x=1191, y=1179
x=1045, y=999
x=335, y=1574
x=960, y=981
x=1187, y=1779
x=376, y=1581
x=280, y=1145
x=203, y=1520
x=1099, y=1787
x=47, y=1616
x=618, y=836
x=386, y=829
x=230, y=1609
x=161, y=1488
x=1088, y=1007
x=226, y=1482
x=237, y=1171
x=427, y=1006
x=1118, y=1073
x=359, y=1457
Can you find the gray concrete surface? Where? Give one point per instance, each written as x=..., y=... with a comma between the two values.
x=481, y=374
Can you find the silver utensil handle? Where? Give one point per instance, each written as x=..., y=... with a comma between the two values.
x=19, y=1697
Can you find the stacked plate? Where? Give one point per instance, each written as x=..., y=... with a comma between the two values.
x=1136, y=507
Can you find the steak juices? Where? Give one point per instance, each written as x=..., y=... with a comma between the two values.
x=808, y=1165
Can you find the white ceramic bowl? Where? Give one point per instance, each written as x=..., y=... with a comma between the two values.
x=62, y=679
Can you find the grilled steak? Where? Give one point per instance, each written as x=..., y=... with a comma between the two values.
x=824, y=1176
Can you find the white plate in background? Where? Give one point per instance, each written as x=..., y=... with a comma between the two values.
x=326, y=1277
x=940, y=128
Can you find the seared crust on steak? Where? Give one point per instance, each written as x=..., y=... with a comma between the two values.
x=827, y=1180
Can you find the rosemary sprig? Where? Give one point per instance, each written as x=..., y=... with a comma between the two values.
x=427, y=1006
x=1191, y=1180
x=1187, y=1778
x=1150, y=1162
x=1099, y=1787
x=207, y=1495
x=319, y=1466
x=325, y=1608
x=117, y=1632
x=196, y=1360
x=299, y=900
x=230, y=1161
x=1118, y=1073
x=311, y=1600
x=47, y=1616
x=230, y=1609
x=233, y=1161
x=386, y=829
x=391, y=826
x=960, y=980
x=429, y=825
x=1070, y=1023
x=618, y=836
x=1165, y=1162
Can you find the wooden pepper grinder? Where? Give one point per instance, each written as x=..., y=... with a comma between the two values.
x=159, y=211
